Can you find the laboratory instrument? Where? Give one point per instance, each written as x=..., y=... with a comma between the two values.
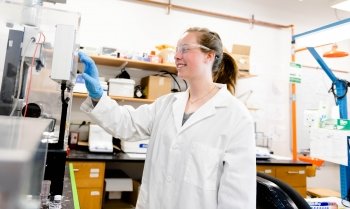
x=38, y=65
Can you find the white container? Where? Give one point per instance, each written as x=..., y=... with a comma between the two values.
x=121, y=87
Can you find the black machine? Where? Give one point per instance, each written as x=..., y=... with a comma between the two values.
x=273, y=193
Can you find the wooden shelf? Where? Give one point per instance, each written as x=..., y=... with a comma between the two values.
x=122, y=99
x=113, y=61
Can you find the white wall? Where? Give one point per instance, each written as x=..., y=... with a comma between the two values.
x=127, y=25
x=137, y=27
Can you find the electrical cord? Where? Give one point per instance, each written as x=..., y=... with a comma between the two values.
x=173, y=76
x=30, y=72
x=345, y=83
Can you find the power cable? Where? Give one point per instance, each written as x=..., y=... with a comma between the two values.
x=333, y=88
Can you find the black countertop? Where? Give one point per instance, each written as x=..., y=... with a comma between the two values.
x=82, y=155
x=67, y=194
x=79, y=155
x=282, y=162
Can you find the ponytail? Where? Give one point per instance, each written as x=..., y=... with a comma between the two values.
x=227, y=72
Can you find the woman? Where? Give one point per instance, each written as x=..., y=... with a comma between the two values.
x=201, y=153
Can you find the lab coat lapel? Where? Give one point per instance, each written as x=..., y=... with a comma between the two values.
x=220, y=100
x=179, y=109
x=208, y=109
x=203, y=112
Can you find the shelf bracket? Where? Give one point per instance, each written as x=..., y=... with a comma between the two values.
x=169, y=7
x=123, y=65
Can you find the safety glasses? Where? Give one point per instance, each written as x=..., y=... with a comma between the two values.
x=187, y=47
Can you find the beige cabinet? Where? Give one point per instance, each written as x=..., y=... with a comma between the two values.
x=89, y=177
x=295, y=176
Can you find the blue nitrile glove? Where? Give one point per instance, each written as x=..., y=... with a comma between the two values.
x=90, y=76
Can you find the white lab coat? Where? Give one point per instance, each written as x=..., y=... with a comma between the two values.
x=207, y=163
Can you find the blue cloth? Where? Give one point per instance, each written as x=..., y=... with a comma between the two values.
x=90, y=76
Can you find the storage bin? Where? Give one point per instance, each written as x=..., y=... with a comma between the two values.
x=121, y=87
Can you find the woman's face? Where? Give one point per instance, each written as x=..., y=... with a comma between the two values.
x=191, y=62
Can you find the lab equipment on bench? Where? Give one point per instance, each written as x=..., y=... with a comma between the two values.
x=38, y=65
x=262, y=153
x=99, y=140
x=134, y=146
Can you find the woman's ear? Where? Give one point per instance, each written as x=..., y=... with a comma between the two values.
x=210, y=56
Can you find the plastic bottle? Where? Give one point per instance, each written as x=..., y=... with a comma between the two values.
x=44, y=194
x=323, y=114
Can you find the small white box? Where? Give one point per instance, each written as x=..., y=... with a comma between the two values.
x=121, y=87
x=99, y=139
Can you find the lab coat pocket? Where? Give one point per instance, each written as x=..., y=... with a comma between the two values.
x=202, y=166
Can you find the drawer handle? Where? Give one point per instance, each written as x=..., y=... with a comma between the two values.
x=296, y=172
x=267, y=171
x=75, y=169
x=94, y=193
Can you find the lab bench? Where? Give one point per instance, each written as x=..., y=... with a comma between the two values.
x=89, y=170
x=288, y=171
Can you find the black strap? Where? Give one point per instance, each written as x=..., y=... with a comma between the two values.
x=333, y=89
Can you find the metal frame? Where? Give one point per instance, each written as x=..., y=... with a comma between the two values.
x=341, y=89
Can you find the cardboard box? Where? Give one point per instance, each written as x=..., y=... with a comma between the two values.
x=241, y=54
x=131, y=197
x=155, y=86
x=117, y=182
x=127, y=201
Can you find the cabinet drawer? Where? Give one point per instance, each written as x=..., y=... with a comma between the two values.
x=301, y=190
x=266, y=169
x=89, y=174
x=90, y=198
x=293, y=175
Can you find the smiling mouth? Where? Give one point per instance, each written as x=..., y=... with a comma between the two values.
x=179, y=66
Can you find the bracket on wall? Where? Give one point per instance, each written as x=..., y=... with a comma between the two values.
x=252, y=21
x=169, y=7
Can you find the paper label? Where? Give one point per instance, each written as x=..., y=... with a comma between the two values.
x=295, y=73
